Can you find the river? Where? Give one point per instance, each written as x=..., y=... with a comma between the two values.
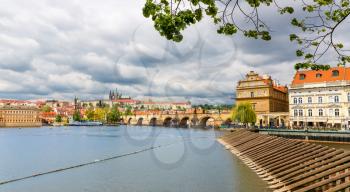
x=184, y=160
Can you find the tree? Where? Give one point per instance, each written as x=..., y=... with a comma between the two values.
x=58, y=118
x=114, y=115
x=46, y=108
x=90, y=114
x=244, y=113
x=100, y=114
x=128, y=111
x=317, y=20
x=77, y=116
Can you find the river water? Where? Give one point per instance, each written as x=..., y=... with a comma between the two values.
x=185, y=160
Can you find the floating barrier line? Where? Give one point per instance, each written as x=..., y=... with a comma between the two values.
x=86, y=164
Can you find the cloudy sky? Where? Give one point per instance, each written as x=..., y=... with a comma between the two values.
x=65, y=48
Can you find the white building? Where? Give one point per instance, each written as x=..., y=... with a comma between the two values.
x=320, y=99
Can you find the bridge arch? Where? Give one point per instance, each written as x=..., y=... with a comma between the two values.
x=167, y=122
x=122, y=121
x=153, y=121
x=227, y=122
x=129, y=121
x=139, y=121
x=183, y=122
x=206, y=121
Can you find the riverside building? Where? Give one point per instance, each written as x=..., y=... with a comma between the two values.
x=269, y=100
x=320, y=99
x=19, y=117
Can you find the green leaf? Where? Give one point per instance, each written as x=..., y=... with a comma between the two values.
x=299, y=53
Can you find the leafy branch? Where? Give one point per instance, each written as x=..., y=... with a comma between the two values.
x=318, y=26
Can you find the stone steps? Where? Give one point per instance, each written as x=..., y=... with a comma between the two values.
x=290, y=165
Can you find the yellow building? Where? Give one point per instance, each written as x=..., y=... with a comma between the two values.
x=269, y=100
x=19, y=117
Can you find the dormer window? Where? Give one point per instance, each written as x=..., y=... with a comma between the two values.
x=335, y=73
x=302, y=76
x=318, y=75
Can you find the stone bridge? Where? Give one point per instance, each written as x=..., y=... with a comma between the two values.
x=180, y=120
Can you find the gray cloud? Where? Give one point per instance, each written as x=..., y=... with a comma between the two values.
x=61, y=49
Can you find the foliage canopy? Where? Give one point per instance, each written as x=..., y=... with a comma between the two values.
x=244, y=113
x=317, y=22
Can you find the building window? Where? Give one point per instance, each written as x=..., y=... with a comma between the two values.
x=302, y=76
x=295, y=100
x=296, y=112
x=320, y=112
x=336, y=99
x=330, y=99
x=309, y=99
x=335, y=73
x=349, y=111
x=348, y=97
x=320, y=100
x=301, y=113
x=251, y=94
x=310, y=112
x=336, y=112
x=300, y=100
x=318, y=75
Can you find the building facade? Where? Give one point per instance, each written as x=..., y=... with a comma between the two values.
x=320, y=99
x=269, y=100
x=19, y=117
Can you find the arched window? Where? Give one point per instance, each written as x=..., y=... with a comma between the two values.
x=330, y=99
x=336, y=99
x=302, y=76
x=330, y=112
x=337, y=112
x=251, y=94
x=295, y=100
x=318, y=75
x=300, y=100
x=296, y=112
x=320, y=100
x=320, y=112
x=301, y=113
x=310, y=112
x=309, y=99
x=335, y=73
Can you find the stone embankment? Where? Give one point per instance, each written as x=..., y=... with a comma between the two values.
x=290, y=165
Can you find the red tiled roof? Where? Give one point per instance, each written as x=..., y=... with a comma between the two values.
x=48, y=114
x=277, y=87
x=281, y=88
x=165, y=103
x=126, y=101
x=325, y=76
x=14, y=101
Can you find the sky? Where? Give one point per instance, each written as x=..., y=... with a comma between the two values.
x=59, y=49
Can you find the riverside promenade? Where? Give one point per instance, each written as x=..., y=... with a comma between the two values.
x=313, y=135
x=291, y=165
